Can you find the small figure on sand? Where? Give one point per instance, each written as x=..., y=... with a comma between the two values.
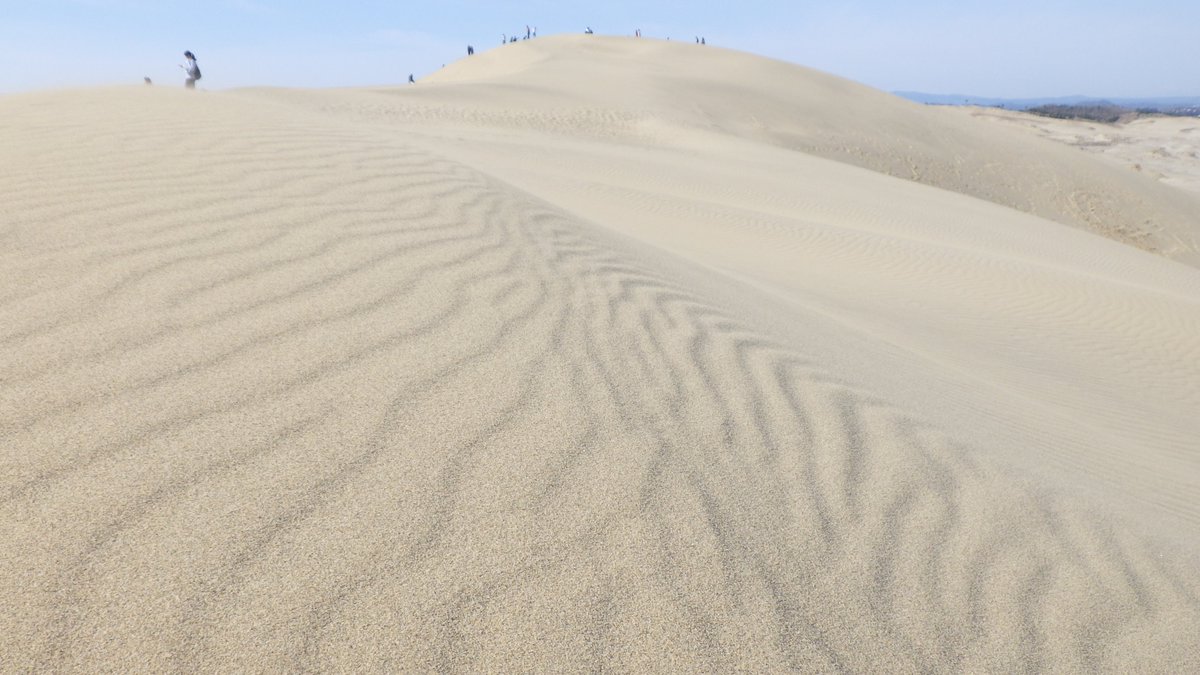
x=470, y=50
x=192, y=70
x=588, y=31
x=411, y=80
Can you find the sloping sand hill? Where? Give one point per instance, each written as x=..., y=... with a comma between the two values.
x=588, y=353
x=1164, y=148
x=652, y=84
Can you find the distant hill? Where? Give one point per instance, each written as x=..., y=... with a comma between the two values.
x=1097, y=112
x=741, y=96
x=1164, y=104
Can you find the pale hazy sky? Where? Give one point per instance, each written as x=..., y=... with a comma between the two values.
x=1013, y=48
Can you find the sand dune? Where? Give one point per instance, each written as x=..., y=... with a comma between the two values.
x=731, y=93
x=583, y=354
x=1165, y=148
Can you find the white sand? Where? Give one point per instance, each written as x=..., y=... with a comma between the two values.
x=582, y=354
x=1165, y=148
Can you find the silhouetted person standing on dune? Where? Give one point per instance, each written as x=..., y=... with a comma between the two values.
x=192, y=70
x=470, y=50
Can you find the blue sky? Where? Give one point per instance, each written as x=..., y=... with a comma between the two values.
x=1014, y=48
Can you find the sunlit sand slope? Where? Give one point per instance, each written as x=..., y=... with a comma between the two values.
x=348, y=380
x=643, y=85
x=1161, y=147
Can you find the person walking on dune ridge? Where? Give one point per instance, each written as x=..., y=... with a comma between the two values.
x=192, y=70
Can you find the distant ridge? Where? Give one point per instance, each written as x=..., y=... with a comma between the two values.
x=1161, y=103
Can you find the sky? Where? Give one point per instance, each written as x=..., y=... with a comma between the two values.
x=1009, y=48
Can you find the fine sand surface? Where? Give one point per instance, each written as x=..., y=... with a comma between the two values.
x=589, y=353
x=1166, y=148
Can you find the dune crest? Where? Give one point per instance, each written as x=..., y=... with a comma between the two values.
x=792, y=107
x=535, y=367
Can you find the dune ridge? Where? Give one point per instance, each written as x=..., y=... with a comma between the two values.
x=778, y=103
x=334, y=380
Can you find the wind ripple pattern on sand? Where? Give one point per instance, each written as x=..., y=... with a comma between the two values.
x=278, y=394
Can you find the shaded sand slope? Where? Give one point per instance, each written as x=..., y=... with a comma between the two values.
x=335, y=380
x=644, y=83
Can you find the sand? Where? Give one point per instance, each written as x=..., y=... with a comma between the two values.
x=583, y=354
x=1165, y=148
